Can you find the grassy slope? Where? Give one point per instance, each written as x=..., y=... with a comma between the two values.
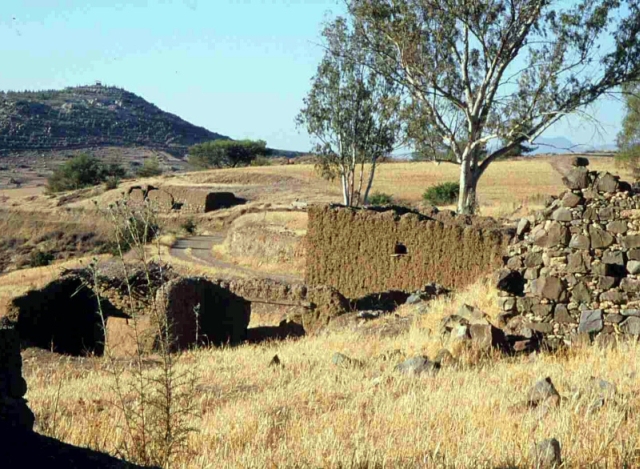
x=312, y=414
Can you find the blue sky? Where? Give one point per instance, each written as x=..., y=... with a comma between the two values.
x=237, y=67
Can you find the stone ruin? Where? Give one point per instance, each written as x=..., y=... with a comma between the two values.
x=574, y=270
x=64, y=316
x=184, y=199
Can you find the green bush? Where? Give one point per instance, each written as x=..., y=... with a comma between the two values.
x=150, y=168
x=111, y=183
x=189, y=226
x=442, y=194
x=380, y=198
x=226, y=153
x=261, y=160
x=40, y=258
x=82, y=171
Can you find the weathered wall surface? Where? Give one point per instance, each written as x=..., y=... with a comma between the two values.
x=185, y=199
x=362, y=251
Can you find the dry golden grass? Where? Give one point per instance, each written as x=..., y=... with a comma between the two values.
x=312, y=414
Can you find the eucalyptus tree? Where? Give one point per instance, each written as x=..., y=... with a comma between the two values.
x=498, y=73
x=629, y=136
x=351, y=112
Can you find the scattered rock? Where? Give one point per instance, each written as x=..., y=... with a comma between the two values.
x=340, y=359
x=599, y=237
x=445, y=358
x=633, y=267
x=562, y=214
x=417, y=366
x=547, y=454
x=523, y=227
x=577, y=178
x=543, y=392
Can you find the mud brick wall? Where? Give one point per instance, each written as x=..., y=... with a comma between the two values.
x=183, y=199
x=576, y=270
x=363, y=251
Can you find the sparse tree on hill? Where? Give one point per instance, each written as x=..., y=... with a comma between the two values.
x=351, y=112
x=150, y=168
x=226, y=153
x=629, y=136
x=501, y=72
x=81, y=171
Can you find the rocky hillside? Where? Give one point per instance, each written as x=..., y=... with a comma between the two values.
x=91, y=116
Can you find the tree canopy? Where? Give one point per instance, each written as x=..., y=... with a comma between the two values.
x=497, y=72
x=351, y=112
x=629, y=136
x=226, y=153
x=82, y=171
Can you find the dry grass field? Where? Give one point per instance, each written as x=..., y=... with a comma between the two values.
x=312, y=413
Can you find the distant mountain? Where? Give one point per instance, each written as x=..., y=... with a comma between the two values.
x=91, y=116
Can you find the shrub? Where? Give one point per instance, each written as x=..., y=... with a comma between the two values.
x=111, y=183
x=226, y=153
x=150, y=168
x=380, y=198
x=442, y=194
x=189, y=226
x=261, y=160
x=40, y=258
x=82, y=171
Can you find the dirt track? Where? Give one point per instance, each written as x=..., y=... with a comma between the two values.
x=199, y=250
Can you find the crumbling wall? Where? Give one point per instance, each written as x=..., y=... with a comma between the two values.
x=310, y=306
x=576, y=270
x=362, y=251
x=63, y=317
x=185, y=199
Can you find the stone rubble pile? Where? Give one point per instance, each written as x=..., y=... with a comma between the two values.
x=574, y=268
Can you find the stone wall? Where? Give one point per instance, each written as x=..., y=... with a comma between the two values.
x=184, y=199
x=576, y=269
x=363, y=251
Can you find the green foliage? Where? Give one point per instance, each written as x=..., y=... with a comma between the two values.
x=189, y=226
x=445, y=193
x=226, y=153
x=629, y=136
x=380, y=198
x=262, y=161
x=111, y=183
x=495, y=73
x=350, y=111
x=150, y=168
x=83, y=170
x=40, y=258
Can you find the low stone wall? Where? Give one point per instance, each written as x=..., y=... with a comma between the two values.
x=576, y=269
x=363, y=251
x=185, y=199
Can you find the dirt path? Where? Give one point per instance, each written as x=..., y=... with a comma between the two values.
x=199, y=250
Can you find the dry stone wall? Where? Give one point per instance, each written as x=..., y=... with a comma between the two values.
x=576, y=268
x=364, y=251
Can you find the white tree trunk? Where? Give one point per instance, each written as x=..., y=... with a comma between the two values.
x=345, y=189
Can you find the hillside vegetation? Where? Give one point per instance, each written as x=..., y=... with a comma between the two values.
x=91, y=116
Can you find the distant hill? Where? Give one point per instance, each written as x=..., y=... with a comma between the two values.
x=91, y=116
x=562, y=145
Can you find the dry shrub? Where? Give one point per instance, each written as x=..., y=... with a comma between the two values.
x=155, y=403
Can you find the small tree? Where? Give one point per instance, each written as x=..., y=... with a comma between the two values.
x=351, y=112
x=81, y=171
x=150, y=168
x=226, y=153
x=499, y=72
x=629, y=136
